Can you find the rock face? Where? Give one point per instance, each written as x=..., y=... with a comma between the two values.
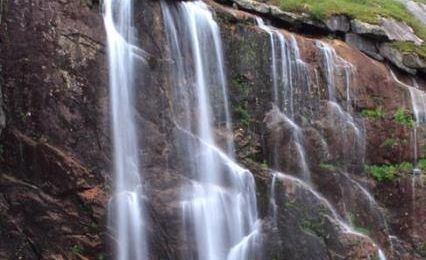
x=55, y=156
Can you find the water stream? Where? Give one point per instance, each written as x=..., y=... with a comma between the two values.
x=126, y=208
x=219, y=208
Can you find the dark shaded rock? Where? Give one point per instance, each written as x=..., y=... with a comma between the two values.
x=363, y=44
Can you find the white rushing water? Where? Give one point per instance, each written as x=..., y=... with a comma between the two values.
x=349, y=131
x=126, y=209
x=288, y=72
x=219, y=209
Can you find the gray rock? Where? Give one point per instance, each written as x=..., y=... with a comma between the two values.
x=363, y=44
x=276, y=12
x=338, y=23
x=253, y=5
x=372, y=30
x=388, y=29
x=413, y=60
x=394, y=56
x=399, y=31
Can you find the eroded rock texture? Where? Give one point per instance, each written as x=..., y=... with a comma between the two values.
x=56, y=147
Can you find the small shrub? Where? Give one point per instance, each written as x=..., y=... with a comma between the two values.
x=373, y=113
x=382, y=172
x=401, y=116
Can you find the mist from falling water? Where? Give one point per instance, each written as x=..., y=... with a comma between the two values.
x=219, y=208
x=126, y=209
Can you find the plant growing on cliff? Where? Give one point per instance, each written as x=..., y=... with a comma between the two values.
x=382, y=172
x=373, y=113
x=327, y=167
x=401, y=116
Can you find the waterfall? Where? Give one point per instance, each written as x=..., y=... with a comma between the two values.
x=288, y=71
x=219, y=208
x=350, y=131
x=126, y=208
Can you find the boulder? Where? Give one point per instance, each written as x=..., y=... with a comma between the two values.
x=371, y=30
x=395, y=57
x=399, y=31
x=363, y=44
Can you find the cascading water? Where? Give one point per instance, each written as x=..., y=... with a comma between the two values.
x=126, y=207
x=219, y=209
x=351, y=132
x=290, y=74
x=288, y=71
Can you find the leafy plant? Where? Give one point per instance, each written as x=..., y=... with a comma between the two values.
x=382, y=172
x=327, y=166
x=402, y=117
x=405, y=167
x=373, y=113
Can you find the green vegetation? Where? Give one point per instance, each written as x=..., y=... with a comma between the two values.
x=401, y=116
x=362, y=230
x=314, y=227
x=364, y=10
x=390, y=142
x=382, y=172
x=421, y=164
x=408, y=47
x=245, y=117
x=327, y=167
x=388, y=172
x=373, y=113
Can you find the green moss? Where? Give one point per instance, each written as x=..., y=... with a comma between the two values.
x=327, y=167
x=373, y=113
x=401, y=116
x=409, y=47
x=314, y=227
x=244, y=115
x=364, y=10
